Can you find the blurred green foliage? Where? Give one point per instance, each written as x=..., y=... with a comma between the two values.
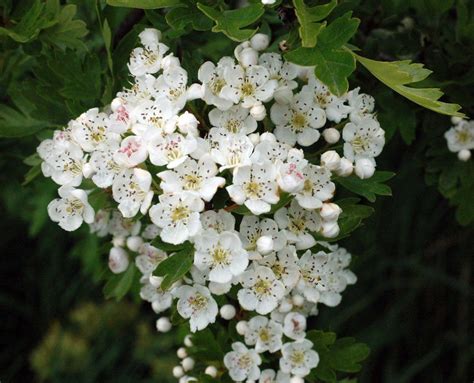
x=414, y=302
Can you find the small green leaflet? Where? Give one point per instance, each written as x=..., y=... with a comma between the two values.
x=232, y=22
x=309, y=18
x=175, y=267
x=369, y=187
x=144, y=4
x=188, y=14
x=333, y=63
x=119, y=285
x=398, y=74
x=15, y=123
x=336, y=355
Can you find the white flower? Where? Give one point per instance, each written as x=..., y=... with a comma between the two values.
x=172, y=85
x=460, y=136
x=298, y=358
x=160, y=300
x=361, y=104
x=298, y=121
x=132, y=151
x=242, y=363
x=158, y=114
x=230, y=151
x=147, y=59
x=264, y=334
x=221, y=255
x=261, y=290
x=196, y=304
x=291, y=175
x=65, y=165
x=177, y=216
x=104, y=166
x=252, y=230
x=317, y=187
x=336, y=108
x=118, y=260
x=131, y=189
x=233, y=120
x=123, y=227
x=255, y=186
x=270, y=376
x=171, y=150
x=71, y=209
x=219, y=221
x=149, y=258
x=212, y=78
x=284, y=265
x=195, y=177
x=249, y=86
x=188, y=124
x=90, y=130
x=298, y=223
x=282, y=71
x=294, y=326
x=100, y=226
x=364, y=139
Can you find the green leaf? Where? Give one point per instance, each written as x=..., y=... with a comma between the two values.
x=175, y=267
x=232, y=22
x=180, y=17
x=398, y=74
x=14, y=123
x=368, y=188
x=308, y=18
x=119, y=285
x=168, y=247
x=333, y=64
x=144, y=4
x=206, y=347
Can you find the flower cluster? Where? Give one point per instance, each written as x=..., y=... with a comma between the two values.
x=460, y=138
x=232, y=185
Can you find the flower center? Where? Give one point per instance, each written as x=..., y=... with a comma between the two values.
x=74, y=206
x=180, y=213
x=192, y=181
x=197, y=302
x=262, y=287
x=308, y=186
x=299, y=121
x=278, y=269
x=220, y=255
x=244, y=362
x=297, y=225
x=247, y=89
x=98, y=134
x=216, y=85
x=463, y=136
x=359, y=144
x=233, y=125
x=264, y=335
x=252, y=189
x=297, y=357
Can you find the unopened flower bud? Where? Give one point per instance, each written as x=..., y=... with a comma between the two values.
x=187, y=341
x=254, y=138
x=116, y=104
x=258, y=111
x=181, y=353
x=285, y=306
x=364, y=168
x=211, y=371
x=296, y=379
x=330, y=211
x=150, y=37
x=464, y=154
x=118, y=260
x=345, y=168
x=330, y=160
x=248, y=57
x=194, y=92
x=331, y=135
x=267, y=136
x=298, y=300
x=242, y=327
x=134, y=242
x=118, y=241
x=87, y=170
x=163, y=324
x=155, y=281
x=265, y=244
x=187, y=124
x=178, y=371
x=188, y=363
x=456, y=120
x=330, y=229
x=227, y=312
x=260, y=41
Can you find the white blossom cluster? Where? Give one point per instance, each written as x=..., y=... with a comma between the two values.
x=460, y=138
x=160, y=165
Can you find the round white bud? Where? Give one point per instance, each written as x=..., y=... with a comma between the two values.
x=182, y=353
x=248, y=57
x=296, y=379
x=364, y=168
x=260, y=41
x=330, y=160
x=219, y=288
x=188, y=363
x=187, y=341
x=330, y=229
x=227, y=312
x=464, y=154
x=242, y=327
x=285, y=306
x=331, y=135
x=254, y=138
x=115, y=104
x=408, y=23
x=456, y=120
x=345, y=168
x=258, y=111
x=194, y=92
x=157, y=306
x=118, y=241
x=330, y=211
x=87, y=170
x=118, y=260
x=178, y=371
x=298, y=300
x=283, y=95
x=265, y=244
x=150, y=36
x=163, y=324
x=187, y=124
x=155, y=281
x=267, y=136
x=211, y=371
x=134, y=242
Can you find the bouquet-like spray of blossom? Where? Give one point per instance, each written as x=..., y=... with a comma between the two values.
x=243, y=195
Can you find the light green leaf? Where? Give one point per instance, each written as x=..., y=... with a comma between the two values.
x=180, y=17
x=119, y=285
x=309, y=18
x=333, y=64
x=175, y=267
x=398, y=74
x=369, y=187
x=232, y=22
x=144, y=4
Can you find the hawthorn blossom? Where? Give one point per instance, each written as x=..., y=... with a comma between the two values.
x=104, y=167
x=196, y=304
x=147, y=59
x=233, y=120
x=264, y=334
x=132, y=151
x=152, y=292
x=284, y=264
x=364, y=139
x=212, y=79
x=231, y=151
x=298, y=358
x=460, y=136
x=171, y=150
x=317, y=187
x=260, y=237
x=172, y=85
x=270, y=376
x=148, y=259
x=219, y=221
x=71, y=209
x=242, y=363
x=294, y=326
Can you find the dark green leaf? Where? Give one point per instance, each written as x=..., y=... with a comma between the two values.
x=175, y=267
x=370, y=187
x=144, y=4
x=119, y=285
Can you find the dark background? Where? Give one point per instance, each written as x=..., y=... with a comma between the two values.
x=413, y=303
